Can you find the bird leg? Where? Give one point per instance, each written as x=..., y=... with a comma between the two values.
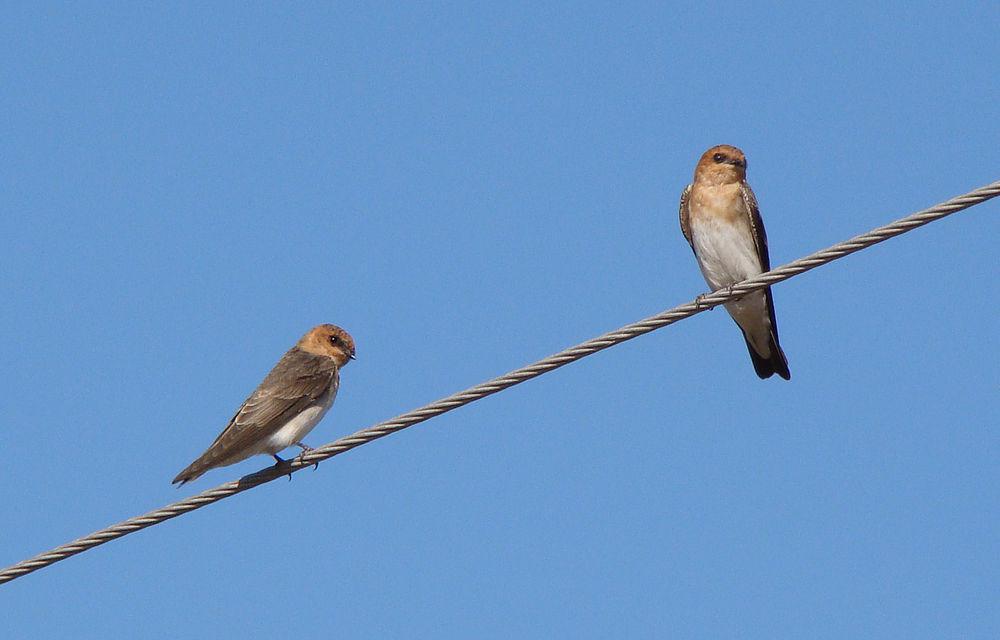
x=729, y=291
x=280, y=461
x=700, y=300
x=306, y=449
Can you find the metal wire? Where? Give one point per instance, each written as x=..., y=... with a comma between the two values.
x=572, y=354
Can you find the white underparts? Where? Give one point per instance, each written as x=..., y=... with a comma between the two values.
x=295, y=429
x=727, y=255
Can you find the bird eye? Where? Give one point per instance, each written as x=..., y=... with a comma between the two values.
x=718, y=157
x=334, y=340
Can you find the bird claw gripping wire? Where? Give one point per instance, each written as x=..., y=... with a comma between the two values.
x=280, y=462
x=700, y=300
x=306, y=449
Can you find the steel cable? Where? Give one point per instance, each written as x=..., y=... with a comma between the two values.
x=572, y=354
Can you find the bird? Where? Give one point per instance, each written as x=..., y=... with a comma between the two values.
x=721, y=221
x=287, y=404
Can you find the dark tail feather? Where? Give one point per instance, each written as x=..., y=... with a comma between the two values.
x=193, y=472
x=767, y=367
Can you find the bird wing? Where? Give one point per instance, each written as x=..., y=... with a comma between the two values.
x=685, y=213
x=297, y=382
x=760, y=242
x=756, y=225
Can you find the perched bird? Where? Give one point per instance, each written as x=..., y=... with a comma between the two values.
x=291, y=400
x=721, y=221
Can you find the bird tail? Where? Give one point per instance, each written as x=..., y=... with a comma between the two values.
x=192, y=472
x=776, y=363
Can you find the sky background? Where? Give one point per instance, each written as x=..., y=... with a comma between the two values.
x=186, y=189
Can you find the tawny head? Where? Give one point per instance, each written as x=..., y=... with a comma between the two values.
x=329, y=340
x=722, y=164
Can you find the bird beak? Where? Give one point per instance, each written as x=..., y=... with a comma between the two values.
x=353, y=357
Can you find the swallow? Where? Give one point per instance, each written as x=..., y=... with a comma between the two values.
x=721, y=221
x=291, y=400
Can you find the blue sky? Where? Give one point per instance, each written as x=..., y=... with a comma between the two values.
x=187, y=189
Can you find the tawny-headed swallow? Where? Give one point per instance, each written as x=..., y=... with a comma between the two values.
x=291, y=400
x=722, y=223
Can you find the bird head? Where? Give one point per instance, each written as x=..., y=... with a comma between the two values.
x=331, y=341
x=722, y=164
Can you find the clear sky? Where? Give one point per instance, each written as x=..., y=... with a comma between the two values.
x=186, y=189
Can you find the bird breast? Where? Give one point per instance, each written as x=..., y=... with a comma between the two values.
x=298, y=427
x=725, y=250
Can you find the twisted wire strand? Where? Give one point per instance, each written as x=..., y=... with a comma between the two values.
x=572, y=354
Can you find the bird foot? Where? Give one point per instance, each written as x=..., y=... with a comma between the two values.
x=306, y=449
x=700, y=300
x=279, y=461
x=729, y=291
